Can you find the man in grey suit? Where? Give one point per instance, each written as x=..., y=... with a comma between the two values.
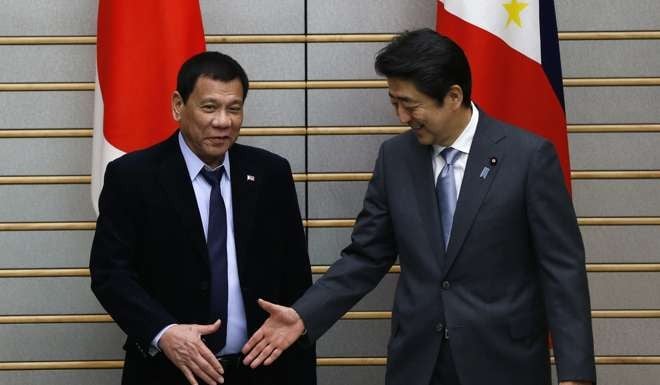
x=483, y=226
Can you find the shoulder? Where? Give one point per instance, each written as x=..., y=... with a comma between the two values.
x=143, y=161
x=518, y=139
x=403, y=141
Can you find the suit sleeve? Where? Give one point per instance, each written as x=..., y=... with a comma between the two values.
x=114, y=262
x=361, y=266
x=560, y=252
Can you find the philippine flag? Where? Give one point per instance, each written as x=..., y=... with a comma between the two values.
x=140, y=46
x=513, y=51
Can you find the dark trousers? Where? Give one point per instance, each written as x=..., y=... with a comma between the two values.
x=235, y=372
x=445, y=370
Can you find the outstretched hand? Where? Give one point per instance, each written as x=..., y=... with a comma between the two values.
x=183, y=345
x=281, y=329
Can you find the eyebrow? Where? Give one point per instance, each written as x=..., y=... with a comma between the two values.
x=402, y=98
x=213, y=100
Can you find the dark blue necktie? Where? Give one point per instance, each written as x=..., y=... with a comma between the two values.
x=216, y=241
x=445, y=189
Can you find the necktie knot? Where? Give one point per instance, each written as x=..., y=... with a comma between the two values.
x=450, y=154
x=213, y=176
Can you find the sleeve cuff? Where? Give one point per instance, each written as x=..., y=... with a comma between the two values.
x=154, y=348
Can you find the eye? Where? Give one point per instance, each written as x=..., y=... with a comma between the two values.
x=235, y=109
x=411, y=107
x=208, y=107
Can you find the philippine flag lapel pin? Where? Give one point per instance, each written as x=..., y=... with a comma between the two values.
x=250, y=178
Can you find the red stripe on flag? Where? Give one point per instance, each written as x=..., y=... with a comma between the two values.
x=508, y=85
x=140, y=47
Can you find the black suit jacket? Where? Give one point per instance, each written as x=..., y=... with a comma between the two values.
x=149, y=263
x=514, y=267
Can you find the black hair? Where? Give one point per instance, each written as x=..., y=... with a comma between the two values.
x=214, y=65
x=432, y=62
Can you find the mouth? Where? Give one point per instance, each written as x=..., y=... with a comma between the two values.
x=416, y=126
x=218, y=140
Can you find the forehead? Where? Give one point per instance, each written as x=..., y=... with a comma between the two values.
x=207, y=88
x=404, y=90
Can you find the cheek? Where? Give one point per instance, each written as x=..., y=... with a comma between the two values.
x=201, y=121
x=419, y=116
x=237, y=122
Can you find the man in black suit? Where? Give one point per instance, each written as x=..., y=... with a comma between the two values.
x=191, y=232
x=482, y=224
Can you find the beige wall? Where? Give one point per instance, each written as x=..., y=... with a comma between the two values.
x=45, y=223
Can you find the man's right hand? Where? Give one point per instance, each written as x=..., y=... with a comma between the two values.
x=183, y=345
x=279, y=331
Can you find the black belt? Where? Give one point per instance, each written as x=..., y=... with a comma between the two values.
x=231, y=361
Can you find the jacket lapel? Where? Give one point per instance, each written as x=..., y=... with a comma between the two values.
x=245, y=181
x=421, y=170
x=474, y=187
x=175, y=181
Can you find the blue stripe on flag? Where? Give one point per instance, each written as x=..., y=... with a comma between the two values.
x=550, y=48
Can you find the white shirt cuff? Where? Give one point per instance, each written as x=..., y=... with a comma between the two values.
x=154, y=348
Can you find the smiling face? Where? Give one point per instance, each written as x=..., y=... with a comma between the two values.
x=431, y=122
x=210, y=120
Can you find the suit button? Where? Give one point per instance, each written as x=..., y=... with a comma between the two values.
x=439, y=327
x=446, y=285
x=204, y=286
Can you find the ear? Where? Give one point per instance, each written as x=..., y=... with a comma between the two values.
x=454, y=96
x=177, y=105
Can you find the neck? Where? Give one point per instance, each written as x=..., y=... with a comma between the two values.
x=458, y=124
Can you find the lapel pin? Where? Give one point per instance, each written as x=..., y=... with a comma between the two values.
x=250, y=178
x=493, y=161
x=484, y=172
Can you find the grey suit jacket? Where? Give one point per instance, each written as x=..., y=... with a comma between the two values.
x=514, y=267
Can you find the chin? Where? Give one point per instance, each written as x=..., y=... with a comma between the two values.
x=425, y=140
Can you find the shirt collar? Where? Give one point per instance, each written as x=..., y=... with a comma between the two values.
x=194, y=164
x=464, y=140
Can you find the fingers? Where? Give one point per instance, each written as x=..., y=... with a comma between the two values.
x=253, y=341
x=209, y=329
x=209, y=368
x=189, y=376
x=269, y=307
x=275, y=354
x=265, y=352
x=203, y=364
x=279, y=331
x=211, y=360
x=183, y=346
x=254, y=353
x=200, y=371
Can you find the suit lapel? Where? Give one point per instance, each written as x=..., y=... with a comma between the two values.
x=421, y=170
x=245, y=181
x=175, y=181
x=474, y=187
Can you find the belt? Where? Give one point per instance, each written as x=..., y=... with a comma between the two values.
x=231, y=361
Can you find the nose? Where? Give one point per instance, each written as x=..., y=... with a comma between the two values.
x=221, y=119
x=402, y=114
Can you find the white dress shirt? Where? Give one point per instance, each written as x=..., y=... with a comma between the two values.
x=462, y=144
x=236, y=323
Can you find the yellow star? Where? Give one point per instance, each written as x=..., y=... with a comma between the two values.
x=514, y=8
